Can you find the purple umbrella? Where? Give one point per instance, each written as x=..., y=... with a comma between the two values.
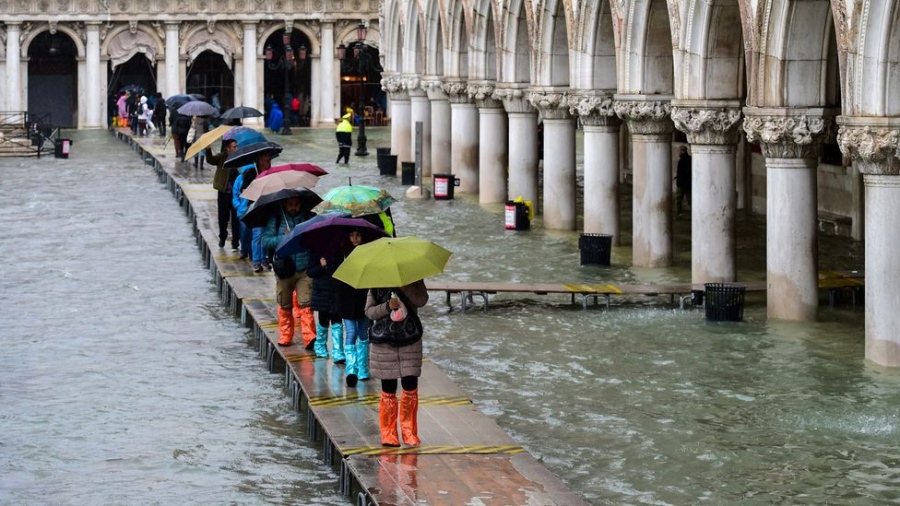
x=326, y=234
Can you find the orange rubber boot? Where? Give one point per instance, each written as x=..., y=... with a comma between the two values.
x=307, y=326
x=409, y=412
x=298, y=312
x=387, y=418
x=285, y=326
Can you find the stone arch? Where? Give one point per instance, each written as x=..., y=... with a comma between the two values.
x=72, y=34
x=484, y=41
x=791, y=55
x=552, y=46
x=646, y=57
x=413, y=57
x=516, y=44
x=219, y=40
x=347, y=35
x=315, y=44
x=392, y=40
x=459, y=43
x=870, y=44
x=710, y=59
x=434, y=38
x=594, y=52
x=125, y=41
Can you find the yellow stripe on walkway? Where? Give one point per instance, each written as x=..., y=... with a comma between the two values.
x=436, y=450
x=592, y=288
x=373, y=399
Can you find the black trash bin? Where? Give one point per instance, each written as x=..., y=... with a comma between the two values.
x=61, y=149
x=387, y=165
x=516, y=216
x=595, y=248
x=724, y=301
x=407, y=173
x=444, y=185
x=382, y=151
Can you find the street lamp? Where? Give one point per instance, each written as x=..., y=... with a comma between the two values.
x=361, y=63
x=287, y=62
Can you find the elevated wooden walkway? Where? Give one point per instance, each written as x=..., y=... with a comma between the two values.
x=466, y=458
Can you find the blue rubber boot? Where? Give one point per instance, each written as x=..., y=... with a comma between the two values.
x=337, y=343
x=320, y=346
x=351, y=368
x=362, y=359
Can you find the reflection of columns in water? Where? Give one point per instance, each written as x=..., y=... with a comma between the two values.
x=790, y=140
x=173, y=72
x=95, y=107
x=420, y=110
x=601, y=162
x=13, y=66
x=492, y=146
x=559, y=159
x=523, y=143
x=651, y=129
x=250, y=85
x=440, y=128
x=463, y=136
x=871, y=143
x=712, y=128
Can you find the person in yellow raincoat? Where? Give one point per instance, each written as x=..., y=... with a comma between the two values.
x=344, y=135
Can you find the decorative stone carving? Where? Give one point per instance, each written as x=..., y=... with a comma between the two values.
x=394, y=86
x=514, y=99
x=433, y=88
x=104, y=31
x=3, y=34
x=708, y=125
x=482, y=92
x=413, y=85
x=25, y=29
x=133, y=26
x=647, y=117
x=211, y=26
x=875, y=148
x=159, y=29
x=457, y=92
x=594, y=110
x=787, y=136
x=126, y=44
x=53, y=23
x=551, y=104
x=218, y=41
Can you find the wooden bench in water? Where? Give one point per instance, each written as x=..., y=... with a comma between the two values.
x=465, y=457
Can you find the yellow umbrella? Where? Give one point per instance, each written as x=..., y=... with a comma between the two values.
x=206, y=140
x=392, y=262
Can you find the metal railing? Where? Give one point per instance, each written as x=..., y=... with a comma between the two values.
x=24, y=133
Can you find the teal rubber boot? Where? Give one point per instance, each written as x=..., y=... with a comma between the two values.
x=320, y=346
x=362, y=359
x=351, y=368
x=337, y=343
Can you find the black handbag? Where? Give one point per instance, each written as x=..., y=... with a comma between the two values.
x=402, y=333
x=284, y=267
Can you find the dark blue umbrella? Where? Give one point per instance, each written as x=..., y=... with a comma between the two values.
x=324, y=234
x=246, y=155
x=176, y=101
x=258, y=213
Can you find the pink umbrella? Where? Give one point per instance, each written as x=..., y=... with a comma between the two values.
x=299, y=167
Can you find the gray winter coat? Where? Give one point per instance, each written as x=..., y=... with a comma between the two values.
x=391, y=362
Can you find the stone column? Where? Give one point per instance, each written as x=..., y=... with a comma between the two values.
x=94, y=102
x=492, y=147
x=872, y=143
x=420, y=110
x=601, y=162
x=463, y=136
x=324, y=84
x=440, y=128
x=249, y=76
x=523, y=141
x=559, y=158
x=791, y=140
x=13, y=66
x=395, y=87
x=713, y=129
x=651, y=133
x=173, y=72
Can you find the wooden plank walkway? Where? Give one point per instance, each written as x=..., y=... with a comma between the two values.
x=466, y=458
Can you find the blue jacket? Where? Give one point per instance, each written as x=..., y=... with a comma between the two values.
x=275, y=231
x=240, y=203
x=276, y=118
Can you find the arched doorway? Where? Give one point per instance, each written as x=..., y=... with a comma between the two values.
x=137, y=74
x=208, y=75
x=287, y=73
x=53, y=79
x=361, y=80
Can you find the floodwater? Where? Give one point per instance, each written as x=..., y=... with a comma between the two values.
x=124, y=381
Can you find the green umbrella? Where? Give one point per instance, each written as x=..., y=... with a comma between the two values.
x=392, y=262
x=355, y=200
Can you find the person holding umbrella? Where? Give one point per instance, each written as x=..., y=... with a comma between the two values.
x=223, y=182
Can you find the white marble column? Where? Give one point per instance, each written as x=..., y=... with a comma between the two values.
x=522, y=120
x=13, y=66
x=325, y=82
x=420, y=110
x=790, y=141
x=651, y=134
x=395, y=86
x=558, y=207
x=463, y=136
x=250, y=77
x=601, y=162
x=713, y=129
x=872, y=143
x=492, y=145
x=95, y=104
x=173, y=71
x=440, y=128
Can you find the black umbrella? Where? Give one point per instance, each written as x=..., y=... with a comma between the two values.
x=241, y=113
x=176, y=101
x=247, y=154
x=258, y=213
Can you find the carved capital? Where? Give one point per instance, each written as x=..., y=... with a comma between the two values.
x=788, y=133
x=457, y=92
x=514, y=99
x=482, y=92
x=647, y=117
x=394, y=86
x=593, y=109
x=708, y=122
x=432, y=85
x=872, y=143
x=413, y=85
x=550, y=104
